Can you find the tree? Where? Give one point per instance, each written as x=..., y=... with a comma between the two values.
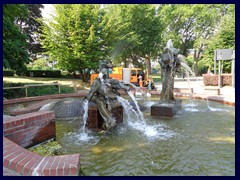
x=187, y=24
x=75, y=38
x=30, y=27
x=136, y=32
x=224, y=38
x=15, y=55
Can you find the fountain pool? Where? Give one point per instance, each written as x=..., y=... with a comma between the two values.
x=198, y=141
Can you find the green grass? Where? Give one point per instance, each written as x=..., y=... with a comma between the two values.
x=156, y=77
x=68, y=86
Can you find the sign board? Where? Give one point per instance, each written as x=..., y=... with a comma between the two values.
x=225, y=54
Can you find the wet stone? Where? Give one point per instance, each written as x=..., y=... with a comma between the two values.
x=166, y=109
x=95, y=120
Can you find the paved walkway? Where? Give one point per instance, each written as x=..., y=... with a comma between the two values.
x=227, y=92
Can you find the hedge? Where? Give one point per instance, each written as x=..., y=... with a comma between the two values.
x=43, y=73
x=33, y=91
x=8, y=72
x=212, y=79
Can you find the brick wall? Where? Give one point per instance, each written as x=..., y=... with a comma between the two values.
x=30, y=129
x=24, y=162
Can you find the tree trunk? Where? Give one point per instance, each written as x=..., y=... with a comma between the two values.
x=195, y=59
x=84, y=74
x=148, y=66
x=196, y=56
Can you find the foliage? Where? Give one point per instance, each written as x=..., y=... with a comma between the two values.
x=20, y=25
x=74, y=38
x=44, y=73
x=30, y=26
x=136, y=33
x=15, y=55
x=190, y=61
x=202, y=67
x=186, y=23
x=50, y=148
x=37, y=64
x=223, y=39
x=33, y=91
x=8, y=72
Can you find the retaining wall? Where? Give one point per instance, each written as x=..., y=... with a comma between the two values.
x=30, y=129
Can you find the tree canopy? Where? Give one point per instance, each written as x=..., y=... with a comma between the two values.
x=19, y=26
x=79, y=35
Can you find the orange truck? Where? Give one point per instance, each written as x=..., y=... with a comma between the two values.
x=129, y=75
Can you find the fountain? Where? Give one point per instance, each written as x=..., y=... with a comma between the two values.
x=170, y=63
x=107, y=112
x=142, y=144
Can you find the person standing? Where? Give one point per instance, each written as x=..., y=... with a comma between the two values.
x=140, y=80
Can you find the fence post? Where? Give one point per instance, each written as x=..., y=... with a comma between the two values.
x=59, y=89
x=26, y=91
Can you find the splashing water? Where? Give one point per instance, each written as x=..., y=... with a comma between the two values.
x=83, y=134
x=131, y=113
x=85, y=115
x=137, y=106
x=134, y=121
x=215, y=109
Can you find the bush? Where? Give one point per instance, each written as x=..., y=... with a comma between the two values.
x=43, y=73
x=8, y=72
x=212, y=79
x=50, y=148
x=33, y=91
x=202, y=67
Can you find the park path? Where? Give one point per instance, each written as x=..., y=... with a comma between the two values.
x=227, y=92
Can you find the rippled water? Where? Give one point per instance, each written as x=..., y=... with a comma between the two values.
x=199, y=140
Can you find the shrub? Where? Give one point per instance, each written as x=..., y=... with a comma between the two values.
x=43, y=73
x=212, y=79
x=8, y=72
x=50, y=148
x=33, y=91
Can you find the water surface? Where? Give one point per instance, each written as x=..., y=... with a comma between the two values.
x=199, y=141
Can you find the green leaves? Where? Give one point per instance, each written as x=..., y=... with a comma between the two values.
x=74, y=38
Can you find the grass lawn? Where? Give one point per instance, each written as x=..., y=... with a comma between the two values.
x=29, y=80
x=67, y=86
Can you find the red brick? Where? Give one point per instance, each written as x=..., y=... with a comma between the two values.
x=13, y=124
x=67, y=169
x=21, y=164
x=7, y=125
x=74, y=171
x=61, y=165
x=47, y=166
x=11, y=153
x=14, y=161
x=53, y=172
x=27, y=167
x=9, y=147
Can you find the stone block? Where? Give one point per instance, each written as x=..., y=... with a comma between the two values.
x=95, y=120
x=166, y=110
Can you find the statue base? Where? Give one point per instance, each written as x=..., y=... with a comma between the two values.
x=95, y=120
x=165, y=109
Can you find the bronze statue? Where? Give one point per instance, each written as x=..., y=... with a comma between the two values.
x=106, y=92
x=169, y=63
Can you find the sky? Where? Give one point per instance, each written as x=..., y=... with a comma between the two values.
x=47, y=10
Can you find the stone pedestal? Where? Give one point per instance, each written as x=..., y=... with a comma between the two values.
x=95, y=120
x=166, y=110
